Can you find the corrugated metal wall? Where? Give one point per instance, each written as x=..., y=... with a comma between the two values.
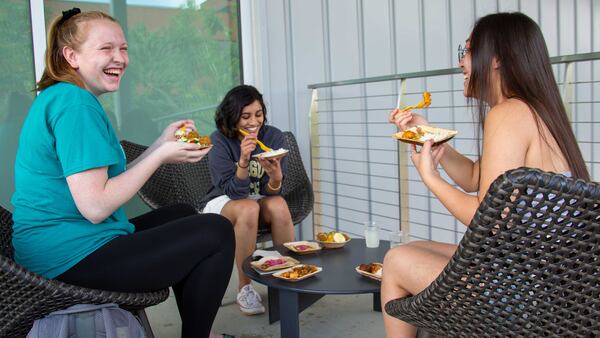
x=296, y=43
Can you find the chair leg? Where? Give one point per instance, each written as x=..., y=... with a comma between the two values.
x=141, y=314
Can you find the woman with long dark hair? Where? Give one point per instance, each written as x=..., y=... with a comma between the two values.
x=523, y=122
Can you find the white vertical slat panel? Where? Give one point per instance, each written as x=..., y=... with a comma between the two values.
x=483, y=7
x=583, y=22
x=408, y=36
x=308, y=35
x=566, y=31
x=508, y=5
x=38, y=34
x=548, y=23
x=531, y=9
x=278, y=94
x=379, y=55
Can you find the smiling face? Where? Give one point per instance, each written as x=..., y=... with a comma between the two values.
x=252, y=118
x=102, y=58
x=465, y=65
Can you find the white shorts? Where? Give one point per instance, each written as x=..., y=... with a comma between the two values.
x=217, y=204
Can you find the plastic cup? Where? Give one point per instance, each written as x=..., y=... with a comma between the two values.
x=395, y=238
x=372, y=234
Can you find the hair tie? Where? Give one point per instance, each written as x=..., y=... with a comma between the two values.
x=69, y=13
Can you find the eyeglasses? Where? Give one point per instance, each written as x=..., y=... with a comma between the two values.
x=462, y=52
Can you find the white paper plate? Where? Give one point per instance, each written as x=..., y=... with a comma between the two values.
x=273, y=154
x=280, y=274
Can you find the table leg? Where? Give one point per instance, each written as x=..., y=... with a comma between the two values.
x=304, y=301
x=377, y=301
x=289, y=313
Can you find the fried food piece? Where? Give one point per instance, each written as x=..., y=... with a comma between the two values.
x=330, y=237
x=322, y=236
x=204, y=140
x=413, y=134
x=299, y=271
x=370, y=268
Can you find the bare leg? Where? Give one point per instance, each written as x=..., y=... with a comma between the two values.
x=274, y=211
x=408, y=270
x=445, y=249
x=243, y=214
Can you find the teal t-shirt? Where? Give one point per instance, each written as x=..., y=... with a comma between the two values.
x=66, y=132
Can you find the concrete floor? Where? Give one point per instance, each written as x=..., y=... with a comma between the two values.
x=331, y=316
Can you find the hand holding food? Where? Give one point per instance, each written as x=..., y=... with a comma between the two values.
x=260, y=144
x=189, y=135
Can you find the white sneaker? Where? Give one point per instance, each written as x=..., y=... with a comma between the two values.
x=249, y=301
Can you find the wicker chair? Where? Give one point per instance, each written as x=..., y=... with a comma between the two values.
x=188, y=183
x=528, y=265
x=26, y=296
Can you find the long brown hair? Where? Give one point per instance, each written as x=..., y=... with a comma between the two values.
x=70, y=32
x=516, y=41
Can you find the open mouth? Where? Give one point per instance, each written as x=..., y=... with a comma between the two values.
x=113, y=72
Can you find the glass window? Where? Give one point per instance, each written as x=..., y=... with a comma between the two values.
x=17, y=85
x=183, y=57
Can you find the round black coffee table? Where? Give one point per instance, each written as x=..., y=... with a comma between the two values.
x=288, y=299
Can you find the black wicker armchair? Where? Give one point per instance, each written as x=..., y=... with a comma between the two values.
x=528, y=265
x=26, y=296
x=188, y=183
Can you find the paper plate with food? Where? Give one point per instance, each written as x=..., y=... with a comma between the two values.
x=189, y=135
x=371, y=270
x=274, y=153
x=303, y=247
x=298, y=272
x=421, y=133
x=274, y=263
x=332, y=239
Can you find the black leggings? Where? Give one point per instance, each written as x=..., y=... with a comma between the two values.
x=172, y=246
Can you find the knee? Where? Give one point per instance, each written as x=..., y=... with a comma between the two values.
x=182, y=209
x=222, y=229
x=394, y=257
x=249, y=210
x=277, y=207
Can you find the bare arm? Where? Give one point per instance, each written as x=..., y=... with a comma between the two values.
x=98, y=196
x=458, y=203
x=460, y=168
x=167, y=135
x=506, y=140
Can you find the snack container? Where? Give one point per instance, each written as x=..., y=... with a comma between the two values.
x=299, y=247
x=279, y=274
x=367, y=274
x=439, y=135
x=334, y=245
x=280, y=262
